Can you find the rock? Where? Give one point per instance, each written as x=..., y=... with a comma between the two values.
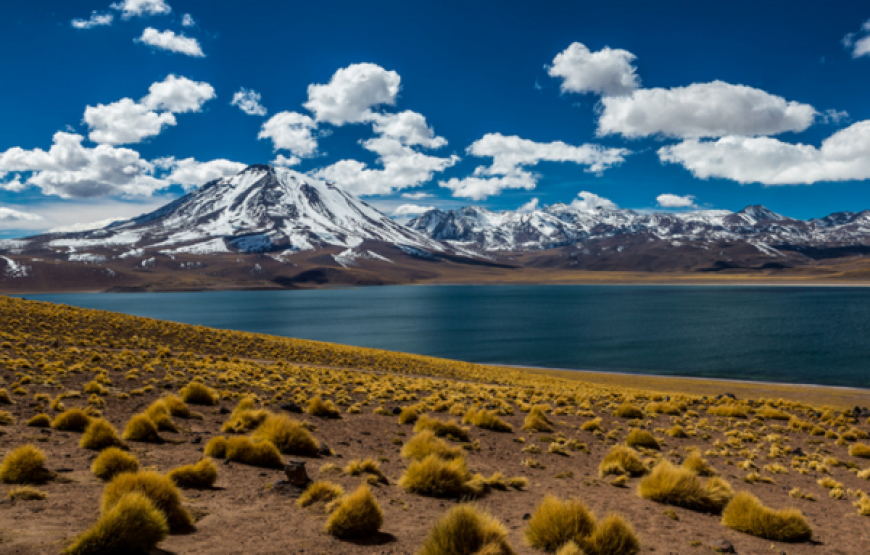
x=527, y=516
x=397, y=410
x=325, y=451
x=798, y=452
x=224, y=410
x=197, y=439
x=723, y=546
x=724, y=395
x=296, y=474
x=291, y=407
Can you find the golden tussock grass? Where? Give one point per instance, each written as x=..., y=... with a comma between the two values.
x=681, y=487
x=864, y=474
x=442, y=428
x=641, y=438
x=570, y=548
x=197, y=393
x=4, y=397
x=99, y=435
x=41, y=420
x=436, y=477
x=6, y=418
x=179, y=408
x=324, y=409
x=73, y=420
x=613, y=536
x=628, y=410
x=113, y=461
x=466, y=530
x=488, y=420
x=556, y=522
x=537, y=420
x=697, y=464
x=621, y=460
x=141, y=428
x=768, y=412
x=409, y=415
x=357, y=467
x=132, y=525
x=245, y=417
x=288, y=435
x=319, y=492
x=730, y=411
x=426, y=443
x=745, y=513
x=860, y=450
x=24, y=465
x=201, y=475
x=677, y=431
x=245, y=451
x=863, y=504
x=354, y=515
x=158, y=412
x=159, y=489
x=26, y=493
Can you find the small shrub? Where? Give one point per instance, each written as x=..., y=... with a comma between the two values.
x=177, y=407
x=745, y=513
x=622, y=460
x=73, y=420
x=5, y=398
x=133, y=525
x=466, y=530
x=159, y=414
x=254, y=453
x=556, y=522
x=320, y=491
x=425, y=443
x=288, y=435
x=613, y=536
x=245, y=417
x=141, y=428
x=437, y=477
x=365, y=466
x=159, y=489
x=677, y=431
x=681, y=487
x=442, y=428
x=113, y=461
x=216, y=447
x=24, y=465
x=538, y=421
x=26, y=493
x=6, y=418
x=729, y=411
x=641, y=438
x=40, y=421
x=357, y=514
x=488, y=420
x=324, y=409
x=99, y=435
x=200, y=475
x=197, y=393
x=698, y=465
x=860, y=450
x=409, y=415
x=627, y=410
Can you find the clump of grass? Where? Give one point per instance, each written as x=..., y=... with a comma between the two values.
x=613, y=536
x=466, y=530
x=288, y=435
x=24, y=465
x=73, y=420
x=113, y=461
x=99, y=435
x=26, y=493
x=356, y=514
x=320, y=491
x=133, y=525
x=830, y=483
x=141, y=428
x=681, y=487
x=730, y=411
x=538, y=421
x=437, y=477
x=622, y=460
x=860, y=450
x=441, y=428
x=159, y=414
x=697, y=464
x=159, y=489
x=556, y=522
x=745, y=513
x=488, y=420
x=242, y=450
x=641, y=438
x=6, y=418
x=628, y=410
x=177, y=407
x=677, y=431
x=201, y=475
x=197, y=393
x=41, y=420
x=593, y=425
x=425, y=443
x=5, y=398
x=409, y=415
x=357, y=467
x=325, y=409
x=863, y=504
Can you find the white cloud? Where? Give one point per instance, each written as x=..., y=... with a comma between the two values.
x=127, y=121
x=85, y=214
x=71, y=170
x=85, y=226
x=190, y=173
x=131, y=8
x=411, y=210
x=403, y=167
x=590, y=202
x=842, y=157
x=861, y=46
x=168, y=40
x=12, y=219
x=96, y=20
x=408, y=127
x=248, y=101
x=668, y=200
x=606, y=72
x=187, y=21
x=702, y=110
x=417, y=196
x=477, y=188
x=530, y=206
x=286, y=162
x=351, y=93
x=291, y=131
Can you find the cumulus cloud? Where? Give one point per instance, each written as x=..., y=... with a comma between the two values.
x=351, y=94
x=408, y=127
x=168, y=40
x=606, y=72
x=127, y=121
x=842, y=157
x=858, y=44
x=590, y=202
x=189, y=173
x=187, y=20
x=70, y=170
x=291, y=131
x=417, y=196
x=96, y=20
x=702, y=110
x=15, y=217
x=530, y=206
x=669, y=200
x=411, y=210
x=133, y=8
x=285, y=161
x=511, y=154
x=248, y=101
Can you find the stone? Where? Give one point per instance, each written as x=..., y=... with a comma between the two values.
x=296, y=474
x=723, y=546
x=527, y=516
x=224, y=410
x=397, y=410
x=197, y=439
x=291, y=407
x=325, y=451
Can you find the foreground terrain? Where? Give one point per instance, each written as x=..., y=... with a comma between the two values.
x=523, y=435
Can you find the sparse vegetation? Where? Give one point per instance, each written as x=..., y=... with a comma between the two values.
x=745, y=513
x=356, y=514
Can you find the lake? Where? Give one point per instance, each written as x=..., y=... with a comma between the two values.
x=818, y=335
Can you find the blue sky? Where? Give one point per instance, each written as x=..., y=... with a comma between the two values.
x=110, y=110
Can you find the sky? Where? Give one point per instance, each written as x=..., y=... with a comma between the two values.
x=109, y=110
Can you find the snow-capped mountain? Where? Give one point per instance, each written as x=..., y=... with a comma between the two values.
x=562, y=224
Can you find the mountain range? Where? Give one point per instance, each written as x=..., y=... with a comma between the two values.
x=272, y=227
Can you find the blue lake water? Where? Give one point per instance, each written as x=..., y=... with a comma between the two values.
x=784, y=334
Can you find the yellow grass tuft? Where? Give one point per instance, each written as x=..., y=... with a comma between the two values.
x=641, y=438
x=437, y=477
x=425, y=443
x=288, y=435
x=320, y=491
x=622, y=460
x=442, y=428
x=41, y=420
x=536, y=420
x=745, y=513
x=201, y=475
x=113, y=461
x=99, y=435
x=697, y=464
x=613, y=536
x=245, y=417
x=132, y=525
x=197, y=393
x=26, y=493
x=141, y=428
x=860, y=450
x=324, y=409
x=488, y=420
x=24, y=465
x=628, y=410
x=73, y=420
x=466, y=530
x=357, y=467
x=556, y=522
x=409, y=415
x=356, y=514
x=159, y=489
x=681, y=487
x=5, y=398
x=245, y=451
